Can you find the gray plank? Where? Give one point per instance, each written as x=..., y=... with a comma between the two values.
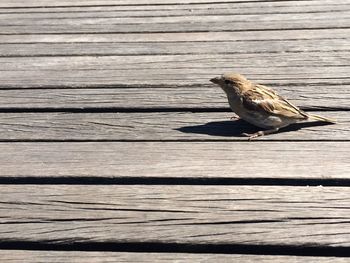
x=91, y=26
x=318, y=18
x=247, y=215
x=158, y=126
x=176, y=14
x=30, y=256
x=335, y=34
x=178, y=9
x=176, y=63
x=319, y=160
x=46, y=3
x=169, y=48
x=85, y=71
x=145, y=77
x=154, y=97
x=216, y=21
x=142, y=3
x=169, y=18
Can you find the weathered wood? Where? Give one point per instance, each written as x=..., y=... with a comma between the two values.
x=169, y=48
x=28, y=256
x=168, y=159
x=179, y=10
x=206, y=96
x=335, y=34
x=194, y=63
x=46, y=3
x=171, y=16
x=246, y=215
x=153, y=58
x=215, y=21
x=101, y=26
x=157, y=126
x=156, y=4
x=173, y=69
x=167, y=21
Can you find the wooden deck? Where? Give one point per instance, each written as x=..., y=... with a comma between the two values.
x=115, y=147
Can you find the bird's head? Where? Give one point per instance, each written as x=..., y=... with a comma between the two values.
x=232, y=82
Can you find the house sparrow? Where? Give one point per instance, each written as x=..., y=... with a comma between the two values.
x=260, y=105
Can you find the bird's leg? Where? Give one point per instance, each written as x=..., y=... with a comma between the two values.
x=260, y=133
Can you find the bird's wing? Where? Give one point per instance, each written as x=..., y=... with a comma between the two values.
x=262, y=98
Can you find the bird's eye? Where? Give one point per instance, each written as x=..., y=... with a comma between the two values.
x=227, y=81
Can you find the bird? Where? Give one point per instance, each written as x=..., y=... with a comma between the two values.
x=261, y=105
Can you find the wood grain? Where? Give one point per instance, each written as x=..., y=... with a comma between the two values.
x=154, y=4
x=246, y=36
x=45, y=3
x=279, y=18
x=158, y=126
x=168, y=48
x=178, y=8
x=176, y=14
x=195, y=63
x=97, y=257
x=206, y=96
x=24, y=72
x=319, y=160
x=232, y=23
x=247, y=215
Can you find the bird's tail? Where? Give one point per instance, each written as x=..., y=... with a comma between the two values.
x=320, y=118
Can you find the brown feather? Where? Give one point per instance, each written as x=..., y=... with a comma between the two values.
x=260, y=97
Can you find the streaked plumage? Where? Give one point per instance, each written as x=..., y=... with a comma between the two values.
x=260, y=105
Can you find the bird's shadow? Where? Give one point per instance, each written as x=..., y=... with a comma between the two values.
x=235, y=128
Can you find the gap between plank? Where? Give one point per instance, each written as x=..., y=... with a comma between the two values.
x=151, y=4
x=197, y=86
x=172, y=42
x=170, y=141
x=258, y=181
x=145, y=16
x=141, y=110
x=159, y=247
x=177, y=31
x=172, y=54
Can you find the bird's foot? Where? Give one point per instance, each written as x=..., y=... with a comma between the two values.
x=253, y=135
x=259, y=133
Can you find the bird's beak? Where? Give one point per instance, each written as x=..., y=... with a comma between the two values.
x=216, y=80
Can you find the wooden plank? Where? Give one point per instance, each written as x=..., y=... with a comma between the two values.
x=206, y=96
x=158, y=126
x=320, y=160
x=102, y=26
x=70, y=3
x=30, y=256
x=246, y=36
x=175, y=13
x=169, y=48
x=173, y=69
x=233, y=21
x=174, y=18
x=200, y=63
x=187, y=214
x=178, y=9
x=116, y=78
